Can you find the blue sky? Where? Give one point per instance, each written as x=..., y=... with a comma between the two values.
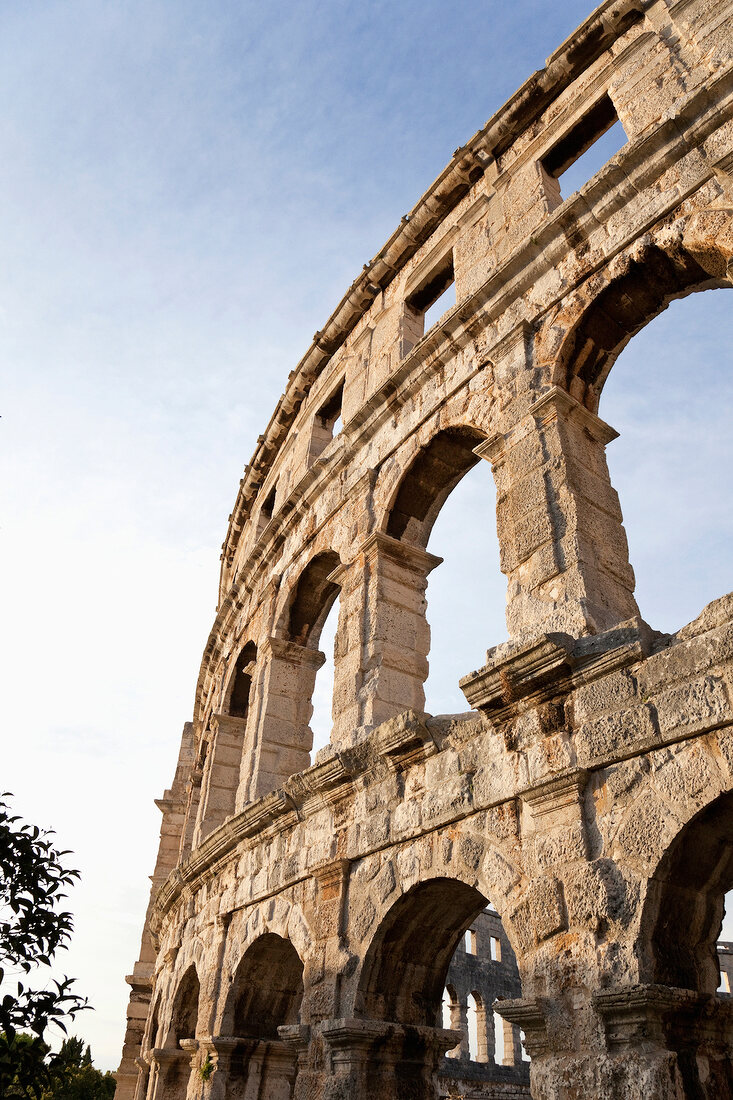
x=187, y=191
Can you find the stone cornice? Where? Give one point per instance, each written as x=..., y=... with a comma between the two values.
x=521, y=674
x=535, y=670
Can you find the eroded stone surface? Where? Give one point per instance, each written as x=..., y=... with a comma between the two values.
x=303, y=918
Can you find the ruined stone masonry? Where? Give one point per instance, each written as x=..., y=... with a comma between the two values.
x=303, y=913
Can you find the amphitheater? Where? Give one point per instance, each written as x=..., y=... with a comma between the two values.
x=307, y=916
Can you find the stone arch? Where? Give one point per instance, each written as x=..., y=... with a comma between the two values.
x=403, y=974
x=683, y=911
x=580, y=345
x=185, y=1009
x=311, y=599
x=429, y=479
x=151, y=1035
x=283, y=738
x=265, y=994
x=279, y=917
x=238, y=688
x=266, y=990
x=414, y=484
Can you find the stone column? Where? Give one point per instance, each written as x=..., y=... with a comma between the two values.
x=296, y=1038
x=170, y=1073
x=215, y=1062
x=665, y=1042
x=282, y=738
x=383, y=637
x=465, y=1052
x=380, y=1060
x=512, y=1044
x=280, y=1068
x=141, y=1085
x=562, y=542
x=221, y=774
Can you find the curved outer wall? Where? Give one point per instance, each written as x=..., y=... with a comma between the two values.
x=598, y=754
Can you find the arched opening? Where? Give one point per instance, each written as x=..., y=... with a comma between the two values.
x=499, y=1042
x=467, y=593
x=266, y=990
x=418, y=973
x=447, y=498
x=477, y=1038
x=223, y=746
x=185, y=1012
x=266, y=993
x=404, y=971
x=668, y=394
x=681, y=927
x=687, y=900
x=283, y=739
x=312, y=600
x=433, y=474
x=237, y=705
x=621, y=310
x=174, y=1064
x=312, y=622
x=322, y=718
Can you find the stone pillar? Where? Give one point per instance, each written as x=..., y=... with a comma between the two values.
x=465, y=1052
x=665, y=1042
x=296, y=1038
x=512, y=1044
x=380, y=1060
x=173, y=808
x=383, y=637
x=141, y=1085
x=282, y=739
x=562, y=542
x=280, y=1068
x=215, y=1065
x=456, y=1025
x=138, y=1007
x=170, y=1073
x=327, y=918
x=221, y=774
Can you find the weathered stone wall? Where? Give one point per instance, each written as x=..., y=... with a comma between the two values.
x=303, y=918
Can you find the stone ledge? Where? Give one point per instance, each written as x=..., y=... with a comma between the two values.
x=524, y=673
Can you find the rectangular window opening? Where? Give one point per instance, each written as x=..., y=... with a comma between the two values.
x=445, y=301
x=428, y=304
x=330, y=413
x=591, y=143
x=495, y=949
x=327, y=423
x=268, y=505
x=469, y=942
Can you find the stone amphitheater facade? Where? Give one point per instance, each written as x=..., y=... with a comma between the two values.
x=303, y=915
